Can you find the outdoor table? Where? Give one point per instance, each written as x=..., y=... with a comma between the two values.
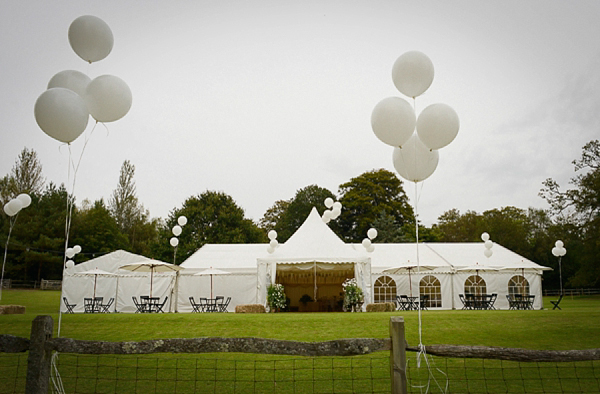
x=149, y=304
x=93, y=305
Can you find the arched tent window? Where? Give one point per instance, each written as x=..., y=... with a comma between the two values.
x=431, y=286
x=475, y=285
x=518, y=285
x=384, y=290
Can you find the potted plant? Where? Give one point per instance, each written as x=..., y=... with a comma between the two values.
x=305, y=299
x=353, y=295
x=276, y=297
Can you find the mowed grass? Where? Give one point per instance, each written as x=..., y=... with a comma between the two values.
x=576, y=326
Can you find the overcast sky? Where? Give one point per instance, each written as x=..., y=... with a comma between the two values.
x=261, y=98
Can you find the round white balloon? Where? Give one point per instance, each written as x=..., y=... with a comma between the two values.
x=371, y=248
x=70, y=264
x=174, y=241
x=11, y=208
x=555, y=251
x=329, y=202
x=337, y=205
x=366, y=243
x=61, y=113
x=108, y=98
x=72, y=80
x=326, y=219
x=270, y=249
x=70, y=253
x=91, y=38
x=274, y=243
x=77, y=249
x=182, y=220
x=559, y=244
x=412, y=73
x=272, y=234
x=8, y=211
x=485, y=237
x=327, y=214
x=488, y=252
x=176, y=230
x=414, y=161
x=372, y=233
x=336, y=212
x=437, y=125
x=562, y=252
x=25, y=200
x=393, y=121
x=489, y=244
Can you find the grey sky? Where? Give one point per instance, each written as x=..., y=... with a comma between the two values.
x=261, y=98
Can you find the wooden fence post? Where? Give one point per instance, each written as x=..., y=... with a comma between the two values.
x=398, y=355
x=38, y=362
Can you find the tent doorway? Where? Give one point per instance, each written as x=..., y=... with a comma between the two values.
x=314, y=287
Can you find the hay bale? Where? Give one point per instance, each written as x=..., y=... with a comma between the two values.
x=250, y=308
x=381, y=307
x=12, y=310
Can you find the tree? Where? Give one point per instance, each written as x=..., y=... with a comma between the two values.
x=579, y=208
x=365, y=197
x=25, y=177
x=273, y=215
x=212, y=217
x=295, y=212
x=455, y=227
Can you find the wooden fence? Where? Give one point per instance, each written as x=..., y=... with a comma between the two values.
x=41, y=346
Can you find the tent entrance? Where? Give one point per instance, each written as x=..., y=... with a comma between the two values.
x=319, y=284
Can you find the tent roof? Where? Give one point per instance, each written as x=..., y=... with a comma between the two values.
x=225, y=256
x=315, y=241
x=109, y=262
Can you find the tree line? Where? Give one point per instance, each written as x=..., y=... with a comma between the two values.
x=374, y=198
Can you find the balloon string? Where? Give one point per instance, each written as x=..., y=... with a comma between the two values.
x=12, y=221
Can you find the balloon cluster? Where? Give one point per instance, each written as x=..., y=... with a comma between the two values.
x=393, y=120
x=15, y=205
x=487, y=242
x=177, y=229
x=273, y=243
x=559, y=249
x=71, y=252
x=334, y=211
x=64, y=109
x=367, y=242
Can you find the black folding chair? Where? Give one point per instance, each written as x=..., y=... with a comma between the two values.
x=223, y=306
x=467, y=303
x=140, y=307
x=106, y=306
x=159, y=307
x=88, y=305
x=555, y=303
x=69, y=306
x=404, y=303
x=196, y=307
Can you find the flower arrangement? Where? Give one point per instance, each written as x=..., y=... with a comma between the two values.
x=352, y=294
x=276, y=297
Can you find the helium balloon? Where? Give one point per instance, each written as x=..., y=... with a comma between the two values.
x=326, y=219
x=70, y=253
x=91, y=38
x=8, y=211
x=25, y=199
x=182, y=220
x=414, y=161
x=174, y=241
x=372, y=233
x=366, y=243
x=77, y=249
x=437, y=125
x=371, y=248
x=70, y=264
x=177, y=231
x=489, y=244
x=273, y=243
x=72, y=80
x=485, y=237
x=412, y=73
x=393, y=121
x=559, y=244
x=108, y=98
x=270, y=249
x=327, y=214
x=61, y=114
x=337, y=205
x=562, y=252
x=336, y=212
x=329, y=202
x=14, y=206
x=272, y=234
x=555, y=251
x=488, y=252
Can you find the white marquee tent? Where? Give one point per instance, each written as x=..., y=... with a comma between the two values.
x=315, y=261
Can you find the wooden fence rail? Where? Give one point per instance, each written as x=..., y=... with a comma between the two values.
x=41, y=345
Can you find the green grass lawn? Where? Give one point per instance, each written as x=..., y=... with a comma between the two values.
x=576, y=326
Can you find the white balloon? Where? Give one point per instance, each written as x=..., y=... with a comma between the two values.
x=61, y=114
x=559, y=244
x=437, y=125
x=70, y=253
x=326, y=219
x=562, y=252
x=555, y=251
x=337, y=205
x=335, y=213
x=488, y=252
x=91, y=38
x=25, y=200
x=489, y=244
x=327, y=214
x=414, y=161
x=77, y=249
x=176, y=230
x=72, y=80
x=372, y=233
x=70, y=264
x=108, y=98
x=174, y=241
x=371, y=248
x=272, y=234
x=366, y=243
x=8, y=210
x=412, y=73
x=393, y=121
x=485, y=237
x=274, y=243
x=270, y=249
x=12, y=207
x=182, y=220
x=329, y=202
